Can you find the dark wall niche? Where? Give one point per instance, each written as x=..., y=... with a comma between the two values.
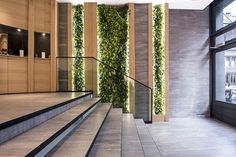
x=17, y=39
x=42, y=44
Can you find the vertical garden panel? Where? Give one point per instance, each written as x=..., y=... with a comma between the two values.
x=113, y=34
x=159, y=60
x=78, y=75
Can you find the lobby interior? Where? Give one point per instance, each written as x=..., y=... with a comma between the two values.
x=108, y=78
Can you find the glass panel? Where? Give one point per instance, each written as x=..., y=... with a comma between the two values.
x=224, y=38
x=226, y=76
x=140, y=96
x=225, y=13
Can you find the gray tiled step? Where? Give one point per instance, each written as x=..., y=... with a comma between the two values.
x=149, y=146
x=80, y=141
x=21, y=112
x=131, y=145
x=25, y=143
x=108, y=140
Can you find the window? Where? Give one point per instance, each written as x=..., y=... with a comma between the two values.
x=225, y=13
x=225, y=76
x=225, y=38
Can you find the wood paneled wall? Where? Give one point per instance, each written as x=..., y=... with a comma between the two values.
x=166, y=48
x=3, y=75
x=21, y=73
x=14, y=13
x=42, y=15
x=53, y=44
x=41, y=72
x=13, y=78
x=17, y=74
x=90, y=42
x=131, y=59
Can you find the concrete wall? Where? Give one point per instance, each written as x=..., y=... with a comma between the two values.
x=189, y=63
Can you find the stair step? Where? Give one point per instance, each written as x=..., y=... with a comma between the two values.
x=21, y=112
x=149, y=146
x=40, y=140
x=131, y=145
x=108, y=140
x=82, y=139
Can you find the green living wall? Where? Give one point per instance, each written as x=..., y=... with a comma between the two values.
x=159, y=61
x=78, y=76
x=113, y=36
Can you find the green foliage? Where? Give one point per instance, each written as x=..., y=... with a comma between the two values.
x=158, y=60
x=78, y=76
x=113, y=34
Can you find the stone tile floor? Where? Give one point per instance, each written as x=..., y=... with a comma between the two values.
x=194, y=137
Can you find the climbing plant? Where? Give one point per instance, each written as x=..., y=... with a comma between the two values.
x=113, y=36
x=159, y=61
x=78, y=76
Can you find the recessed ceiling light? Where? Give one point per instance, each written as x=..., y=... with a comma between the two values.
x=43, y=34
x=18, y=29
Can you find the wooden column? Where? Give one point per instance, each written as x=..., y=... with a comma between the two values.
x=131, y=59
x=90, y=46
x=69, y=42
x=31, y=46
x=166, y=49
x=53, y=43
x=150, y=56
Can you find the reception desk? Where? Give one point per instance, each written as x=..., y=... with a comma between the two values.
x=13, y=74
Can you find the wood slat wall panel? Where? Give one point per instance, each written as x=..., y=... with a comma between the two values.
x=42, y=81
x=42, y=15
x=166, y=48
x=53, y=43
x=14, y=13
x=131, y=58
x=34, y=16
x=17, y=74
x=90, y=45
x=3, y=75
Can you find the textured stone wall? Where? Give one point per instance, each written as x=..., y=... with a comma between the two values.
x=62, y=46
x=141, y=59
x=189, y=63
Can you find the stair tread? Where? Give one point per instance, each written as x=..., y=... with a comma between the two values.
x=79, y=143
x=26, y=142
x=131, y=145
x=108, y=140
x=17, y=105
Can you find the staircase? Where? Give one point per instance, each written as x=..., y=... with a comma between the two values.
x=76, y=128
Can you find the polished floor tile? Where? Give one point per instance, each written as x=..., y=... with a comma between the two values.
x=194, y=137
